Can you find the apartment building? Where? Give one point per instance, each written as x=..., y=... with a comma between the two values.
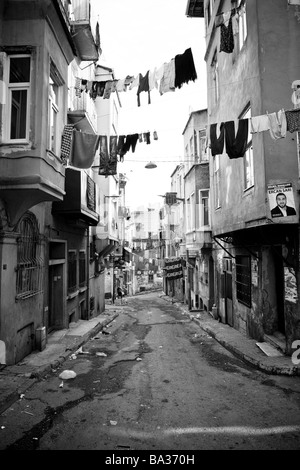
x=199, y=260
x=252, y=72
x=52, y=272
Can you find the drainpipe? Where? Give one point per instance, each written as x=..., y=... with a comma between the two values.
x=88, y=273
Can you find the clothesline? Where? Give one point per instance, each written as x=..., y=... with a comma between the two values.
x=169, y=76
x=236, y=141
x=78, y=149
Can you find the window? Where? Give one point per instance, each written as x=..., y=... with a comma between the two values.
x=192, y=211
x=202, y=146
x=204, y=207
x=215, y=79
x=217, y=180
x=242, y=25
x=82, y=269
x=196, y=147
x=18, y=98
x=248, y=158
x=30, y=267
x=55, y=83
x=243, y=280
x=72, y=271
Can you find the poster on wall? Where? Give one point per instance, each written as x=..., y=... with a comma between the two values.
x=254, y=272
x=281, y=200
x=290, y=285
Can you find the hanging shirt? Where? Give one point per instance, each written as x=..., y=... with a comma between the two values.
x=236, y=145
x=216, y=143
x=143, y=86
x=83, y=149
x=278, y=124
x=184, y=68
x=167, y=82
x=226, y=37
x=293, y=120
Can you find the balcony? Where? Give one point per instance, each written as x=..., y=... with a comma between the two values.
x=27, y=179
x=86, y=44
x=79, y=204
x=199, y=239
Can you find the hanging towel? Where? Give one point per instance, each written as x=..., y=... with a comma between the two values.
x=293, y=120
x=184, y=68
x=83, y=149
x=143, y=86
x=226, y=37
x=66, y=143
x=259, y=123
x=216, y=143
x=236, y=145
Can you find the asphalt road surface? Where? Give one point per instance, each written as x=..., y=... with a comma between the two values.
x=153, y=380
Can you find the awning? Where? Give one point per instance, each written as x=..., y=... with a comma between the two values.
x=84, y=41
x=82, y=121
x=105, y=246
x=127, y=255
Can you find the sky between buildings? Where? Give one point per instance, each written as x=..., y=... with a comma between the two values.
x=137, y=36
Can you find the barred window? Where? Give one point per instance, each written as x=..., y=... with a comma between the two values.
x=30, y=266
x=82, y=269
x=243, y=280
x=72, y=271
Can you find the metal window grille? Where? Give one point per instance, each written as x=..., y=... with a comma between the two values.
x=72, y=271
x=243, y=280
x=82, y=269
x=30, y=266
x=91, y=193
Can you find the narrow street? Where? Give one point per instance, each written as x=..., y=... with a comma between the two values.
x=153, y=380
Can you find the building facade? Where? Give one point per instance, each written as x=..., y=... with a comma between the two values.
x=252, y=66
x=52, y=271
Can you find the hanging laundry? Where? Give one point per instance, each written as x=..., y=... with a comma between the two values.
x=143, y=86
x=146, y=136
x=236, y=144
x=278, y=124
x=259, y=123
x=131, y=141
x=108, y=161
x=135, y=82
x=140, y=137
x=184, y=68
x=128, y=80
x=217, y=143
x=121, y=85
x=77, y=86
x=155, y=137
x=110, y=87
x=293, y=120
x=97, y=37
x=66, y=142
x=167, y=83
x=226, y=38
x=152, y=79
x=120, y=146
x=83, y=85
x=83, y=149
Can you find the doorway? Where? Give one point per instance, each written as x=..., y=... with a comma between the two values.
x=228, y=291
x=55, y=319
